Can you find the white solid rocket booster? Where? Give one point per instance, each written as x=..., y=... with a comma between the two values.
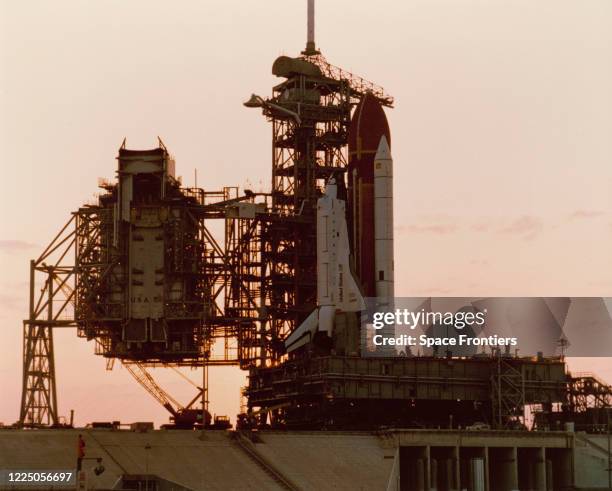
x=383, y=221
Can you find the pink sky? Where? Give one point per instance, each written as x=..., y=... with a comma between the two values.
x=501, y=142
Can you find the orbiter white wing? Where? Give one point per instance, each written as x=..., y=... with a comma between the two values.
x=304, y=333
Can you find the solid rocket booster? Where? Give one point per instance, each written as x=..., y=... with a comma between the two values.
x=383, y=220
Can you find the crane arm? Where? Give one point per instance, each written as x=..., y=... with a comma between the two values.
x=144, y=378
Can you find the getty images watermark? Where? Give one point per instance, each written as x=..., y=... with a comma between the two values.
x=453, y=320
x=469, y=326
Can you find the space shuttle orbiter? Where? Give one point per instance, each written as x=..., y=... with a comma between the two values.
x=337, y=289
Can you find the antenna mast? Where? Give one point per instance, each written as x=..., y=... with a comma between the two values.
x=310, y=31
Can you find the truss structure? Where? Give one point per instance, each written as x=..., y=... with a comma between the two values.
x=358, y=85
x=273, y=256
x=76, y=283
x=587, y=391
x=52, y=292
x=508, y=394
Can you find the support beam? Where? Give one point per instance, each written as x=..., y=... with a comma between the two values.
x=54, y=273
x=38, y=396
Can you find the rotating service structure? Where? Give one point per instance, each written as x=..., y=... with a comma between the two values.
x=139, y=273
x=142, y=267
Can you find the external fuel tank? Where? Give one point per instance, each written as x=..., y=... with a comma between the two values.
x=368, y=125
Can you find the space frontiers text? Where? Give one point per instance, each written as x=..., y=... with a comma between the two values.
x=457, y=320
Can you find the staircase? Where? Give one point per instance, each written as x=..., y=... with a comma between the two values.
x=248, y=447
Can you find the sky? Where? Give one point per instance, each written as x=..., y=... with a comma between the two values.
x=500, y=138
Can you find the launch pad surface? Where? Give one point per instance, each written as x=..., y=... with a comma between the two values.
x=187, y=460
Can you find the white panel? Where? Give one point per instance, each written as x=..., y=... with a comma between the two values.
x=126, y=197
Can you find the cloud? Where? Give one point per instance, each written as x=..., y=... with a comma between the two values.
x=15, y=245
x=481, y=227
x=479, y=262
x=526, y=227
x=585, y=214
x=436, y=229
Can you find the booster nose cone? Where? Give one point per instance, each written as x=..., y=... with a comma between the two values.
x=383, y=152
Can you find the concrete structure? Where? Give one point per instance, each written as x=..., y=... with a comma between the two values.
x=178, y=456
x=393, y=460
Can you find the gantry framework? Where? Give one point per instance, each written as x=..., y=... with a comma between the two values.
x=51, y=307
x=358, y=86
x=587, y=391
x=82, y=280
x=195, y=260
x=274, y=255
